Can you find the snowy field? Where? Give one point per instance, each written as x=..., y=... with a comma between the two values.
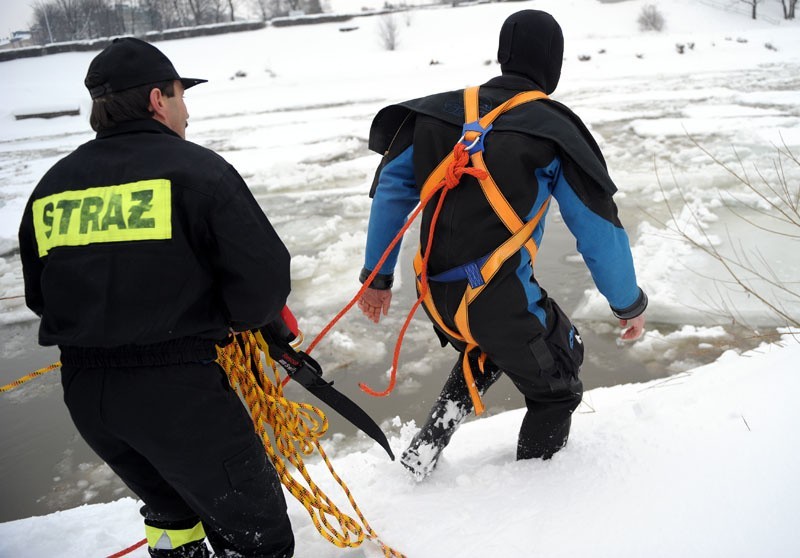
x=673, y=468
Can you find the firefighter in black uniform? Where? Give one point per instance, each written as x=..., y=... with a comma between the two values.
x=141, y=252
x=533, y=152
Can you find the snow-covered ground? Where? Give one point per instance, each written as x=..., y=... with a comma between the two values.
x=694, y=466
x=700, y=465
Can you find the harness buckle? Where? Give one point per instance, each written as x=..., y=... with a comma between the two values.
x=477, y=144
x=473, y=273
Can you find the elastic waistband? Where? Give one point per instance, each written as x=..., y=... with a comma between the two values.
x=471, y=271
x=177, y=351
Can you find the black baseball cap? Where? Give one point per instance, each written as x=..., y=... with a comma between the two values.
x=127, y=63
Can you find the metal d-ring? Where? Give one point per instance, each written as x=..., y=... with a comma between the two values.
x=474, y=142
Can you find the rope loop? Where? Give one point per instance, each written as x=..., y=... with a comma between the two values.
x=452, y=178
x=296, y=429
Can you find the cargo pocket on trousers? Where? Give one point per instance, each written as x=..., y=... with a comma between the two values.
x=565, y=342
x=246, y=465
x=559, y=352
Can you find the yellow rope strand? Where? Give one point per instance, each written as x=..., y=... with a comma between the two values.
x=293, y=425
x=31, y=376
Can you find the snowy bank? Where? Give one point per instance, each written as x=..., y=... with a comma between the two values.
x=698, y=465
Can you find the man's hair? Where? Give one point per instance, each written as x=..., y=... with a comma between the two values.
x=131, y=104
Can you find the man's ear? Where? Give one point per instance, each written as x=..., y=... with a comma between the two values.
x=156, y=102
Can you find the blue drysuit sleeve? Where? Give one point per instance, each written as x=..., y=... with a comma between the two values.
x=395, y=197
x=604, y=246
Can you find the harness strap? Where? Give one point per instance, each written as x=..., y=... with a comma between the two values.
x=490, y=189
x=471, y=110
x=492, y=266
x=475, y=129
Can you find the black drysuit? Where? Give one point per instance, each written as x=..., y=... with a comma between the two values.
x=534, y=151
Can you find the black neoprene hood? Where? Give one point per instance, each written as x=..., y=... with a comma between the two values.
x=532, y=45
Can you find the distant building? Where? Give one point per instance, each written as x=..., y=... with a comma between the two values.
x=16, y=40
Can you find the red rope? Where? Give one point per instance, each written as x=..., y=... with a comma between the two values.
x=455, y=170
x=372, y=275
x=129, y=549
x=369, y=280
x=414, y=307
x=453, y=174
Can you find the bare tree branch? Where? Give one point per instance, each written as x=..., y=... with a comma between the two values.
x=747, y=271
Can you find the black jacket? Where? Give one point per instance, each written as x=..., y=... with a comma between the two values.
x=141, y=247
x=540, y=137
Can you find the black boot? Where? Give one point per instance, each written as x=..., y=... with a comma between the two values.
x=448, y=412
x=545, y=428
x=196, y=549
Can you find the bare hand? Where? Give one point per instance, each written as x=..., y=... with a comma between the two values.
x=373, y=301
x=635, y=328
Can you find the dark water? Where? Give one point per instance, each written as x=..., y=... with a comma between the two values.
x=45, y=466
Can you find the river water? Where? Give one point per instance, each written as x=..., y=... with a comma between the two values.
x=45, y=466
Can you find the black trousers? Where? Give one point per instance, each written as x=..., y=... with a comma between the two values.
x=179, y=437
x=542, y=361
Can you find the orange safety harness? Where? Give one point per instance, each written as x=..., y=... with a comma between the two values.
x=521, y=232
x=445, y=177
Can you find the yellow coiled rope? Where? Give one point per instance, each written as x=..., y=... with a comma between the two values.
x=293, y=425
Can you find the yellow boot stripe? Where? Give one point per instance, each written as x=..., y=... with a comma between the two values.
x=176, y=537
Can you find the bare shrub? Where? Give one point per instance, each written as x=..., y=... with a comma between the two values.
x=650, y=19
x=389, y=31
x=747, y=271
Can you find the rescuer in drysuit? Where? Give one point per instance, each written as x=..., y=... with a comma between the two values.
x=533, y=152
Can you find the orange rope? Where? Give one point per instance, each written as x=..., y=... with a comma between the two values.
x=372, y=275
x=368, y=282
x=129, y=549
x=455, y=170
